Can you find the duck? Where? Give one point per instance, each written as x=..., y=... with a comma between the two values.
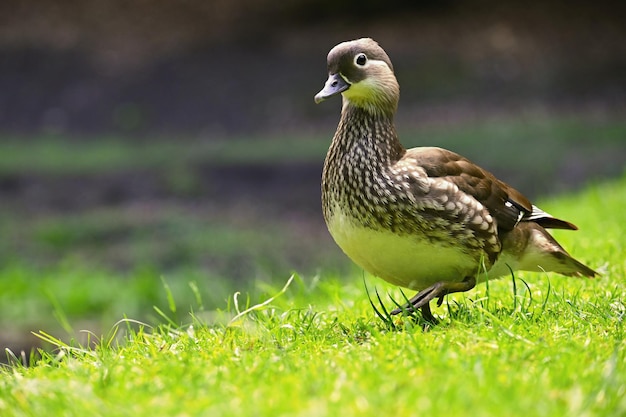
x=426, y=219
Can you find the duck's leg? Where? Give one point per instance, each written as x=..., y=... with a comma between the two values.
x=427, y=314
x=422, y=299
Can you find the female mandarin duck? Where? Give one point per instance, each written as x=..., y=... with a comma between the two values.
x=425, y=218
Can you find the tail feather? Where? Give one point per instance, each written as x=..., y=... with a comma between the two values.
x=536, y=250
x=573, y=268
x=548, y=221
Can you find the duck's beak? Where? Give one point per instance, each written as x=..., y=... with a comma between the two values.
x=334, y=85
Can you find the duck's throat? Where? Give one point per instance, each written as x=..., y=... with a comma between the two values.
x=364, y=140
x=363, y=148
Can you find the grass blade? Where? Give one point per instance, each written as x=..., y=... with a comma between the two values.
x=264, y=303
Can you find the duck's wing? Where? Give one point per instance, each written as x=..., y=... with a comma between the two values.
x=507, y=205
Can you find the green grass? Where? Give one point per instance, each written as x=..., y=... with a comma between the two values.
x=101, y=264
x=555, y=347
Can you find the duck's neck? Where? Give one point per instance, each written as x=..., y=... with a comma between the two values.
x=363, y=148
x=364, y=140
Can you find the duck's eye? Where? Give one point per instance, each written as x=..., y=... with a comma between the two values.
x=360, y=59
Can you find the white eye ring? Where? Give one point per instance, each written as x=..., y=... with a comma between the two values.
x=360, y=59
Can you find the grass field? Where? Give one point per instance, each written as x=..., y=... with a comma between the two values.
x=532, y=345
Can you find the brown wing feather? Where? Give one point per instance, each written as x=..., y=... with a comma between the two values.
x=504, y=202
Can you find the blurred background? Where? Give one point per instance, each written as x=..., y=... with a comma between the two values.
x=164, y=147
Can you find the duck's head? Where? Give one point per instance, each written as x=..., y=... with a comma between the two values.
x=362, y=72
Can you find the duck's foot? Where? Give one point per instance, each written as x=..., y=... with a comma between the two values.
x=422, y=299
x=427, y=315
